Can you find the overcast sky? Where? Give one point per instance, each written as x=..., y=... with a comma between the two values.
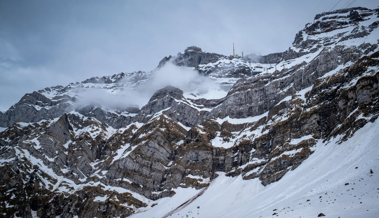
x=49, y=42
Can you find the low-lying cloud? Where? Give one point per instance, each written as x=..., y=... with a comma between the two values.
x=184, y=78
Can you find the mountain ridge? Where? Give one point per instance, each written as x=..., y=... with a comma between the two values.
x=264, y=125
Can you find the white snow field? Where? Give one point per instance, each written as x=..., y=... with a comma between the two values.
x=338, y=180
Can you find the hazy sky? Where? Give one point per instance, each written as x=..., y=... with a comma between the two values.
x=49, y=42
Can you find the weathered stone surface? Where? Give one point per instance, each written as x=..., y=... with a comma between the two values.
x=98, y=163
x=193, y=56
x=34, y=107
x=164, y=61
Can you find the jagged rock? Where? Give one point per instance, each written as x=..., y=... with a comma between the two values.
x=168, y=90
x=164, y=61
x=276, y=58
x=60, y=130
x=34, y=107
x=97, y=162
x=193, y=56
x=152, y=153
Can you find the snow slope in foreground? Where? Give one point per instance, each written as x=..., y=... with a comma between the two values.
x=335, y=180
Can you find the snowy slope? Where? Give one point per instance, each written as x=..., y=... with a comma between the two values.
x=211, y=136
x=335, y=181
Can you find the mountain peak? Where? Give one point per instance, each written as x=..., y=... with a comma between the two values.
x=337, y=26
x=193, y=56
x=167, y=91
x=236, y=134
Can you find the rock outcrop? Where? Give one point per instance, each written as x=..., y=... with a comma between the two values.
x=59, y=159
x=193, y=56
x=34, y=107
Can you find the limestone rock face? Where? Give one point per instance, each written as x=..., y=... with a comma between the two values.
x=193, y=56
x=164, y=61
x=169, y=90
x=60, y=130
x=35, y=107
x=53, y=102
x=62, y=158
x=256, y=95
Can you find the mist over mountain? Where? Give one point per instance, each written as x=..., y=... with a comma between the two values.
x=289, y=134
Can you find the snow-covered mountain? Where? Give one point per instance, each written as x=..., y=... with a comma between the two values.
x=206, y=135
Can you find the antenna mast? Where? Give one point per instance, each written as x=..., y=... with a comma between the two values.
x=234, y=54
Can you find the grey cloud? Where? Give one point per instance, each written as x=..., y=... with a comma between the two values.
x=184, y=78
x=59, y=42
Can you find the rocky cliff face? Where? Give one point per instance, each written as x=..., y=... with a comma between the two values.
x=193, y=56
x=60, y=159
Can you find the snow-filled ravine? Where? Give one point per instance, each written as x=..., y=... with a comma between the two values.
x=337, y=180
